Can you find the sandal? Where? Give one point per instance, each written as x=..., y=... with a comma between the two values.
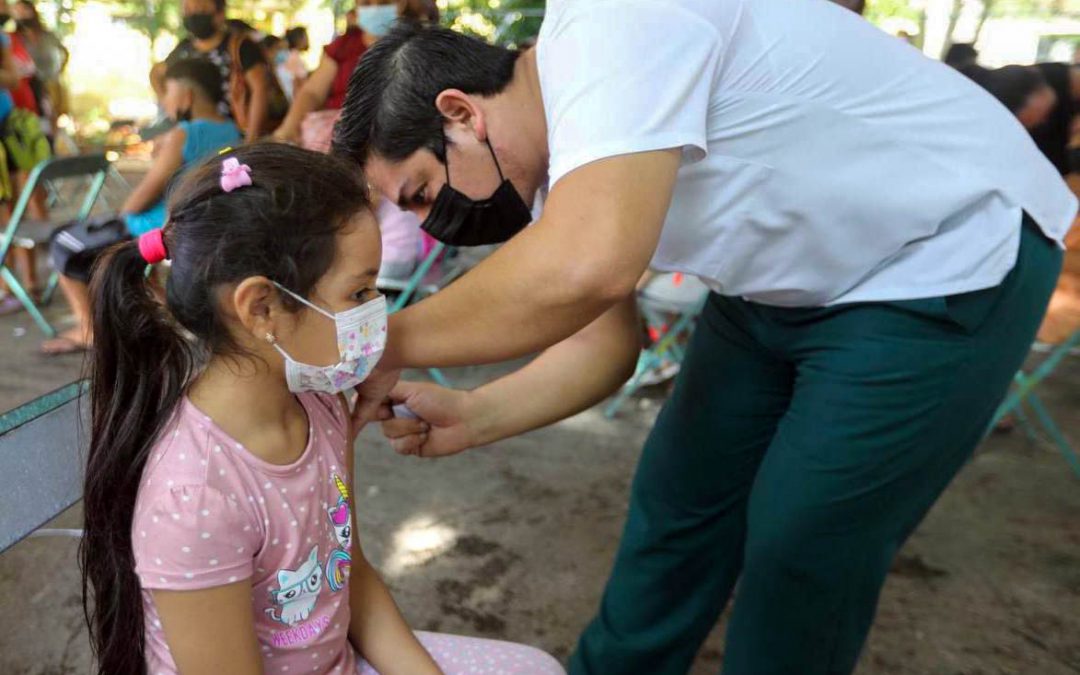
x=59, y=346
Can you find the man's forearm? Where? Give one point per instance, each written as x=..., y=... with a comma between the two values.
x=567, y=378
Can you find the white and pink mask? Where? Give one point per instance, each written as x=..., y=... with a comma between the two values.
x=361, y=339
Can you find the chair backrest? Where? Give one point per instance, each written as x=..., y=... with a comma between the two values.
x=59, y=168
x=93, y=166
x=41, y=461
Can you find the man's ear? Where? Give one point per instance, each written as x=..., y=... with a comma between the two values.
x=461, y=110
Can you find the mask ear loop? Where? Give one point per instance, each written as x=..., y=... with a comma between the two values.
x=446, y=158
x=498, y=168
x=318, y=309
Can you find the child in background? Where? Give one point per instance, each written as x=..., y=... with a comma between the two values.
x=220, y=527
x=192, y=94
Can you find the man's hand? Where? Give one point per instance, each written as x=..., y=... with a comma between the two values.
x=449, y=420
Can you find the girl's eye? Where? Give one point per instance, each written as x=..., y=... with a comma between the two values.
x=365, y=294
x=420, y=196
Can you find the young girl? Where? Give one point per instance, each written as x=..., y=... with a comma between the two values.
x=219, y=518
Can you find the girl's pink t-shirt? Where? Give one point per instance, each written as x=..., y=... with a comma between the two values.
x=210, y=513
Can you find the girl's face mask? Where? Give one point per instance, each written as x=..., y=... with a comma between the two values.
x=361, y=338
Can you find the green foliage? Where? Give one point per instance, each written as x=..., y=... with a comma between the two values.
x=508, y=22
x=1035, y=8
x=152, y=18
x=878, y=11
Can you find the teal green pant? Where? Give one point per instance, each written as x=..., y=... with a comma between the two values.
x=799, y=450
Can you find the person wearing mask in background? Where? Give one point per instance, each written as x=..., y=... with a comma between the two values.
x=276, y=51
x=252, y=96
x=50, y=59
x=293, y=69
x=317, y=105
x=192, y=92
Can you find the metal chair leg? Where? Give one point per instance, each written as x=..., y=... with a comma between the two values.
x=19, y=292
x=1055, y=432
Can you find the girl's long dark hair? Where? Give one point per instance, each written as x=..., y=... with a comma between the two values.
x=282, y=227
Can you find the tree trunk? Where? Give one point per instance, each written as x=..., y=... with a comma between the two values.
x=988, y=6
x=954, y=18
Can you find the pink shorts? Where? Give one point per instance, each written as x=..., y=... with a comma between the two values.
x=465, y=655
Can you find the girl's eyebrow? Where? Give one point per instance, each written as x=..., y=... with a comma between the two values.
x=366, y=274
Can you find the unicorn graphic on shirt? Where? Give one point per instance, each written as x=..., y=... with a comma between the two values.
x=339, y=515
x=339, y=562
x=297, y=592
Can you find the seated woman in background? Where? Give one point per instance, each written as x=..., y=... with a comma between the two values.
x=317, y=104
x=192, y=93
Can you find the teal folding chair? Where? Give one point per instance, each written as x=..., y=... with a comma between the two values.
x=421, y=283
x=25, y=233
x=667, y=334
x=1023, y=392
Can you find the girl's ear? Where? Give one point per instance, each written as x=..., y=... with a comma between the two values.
x=257, y=306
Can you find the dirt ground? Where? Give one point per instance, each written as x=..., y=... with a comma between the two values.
x=515, y=541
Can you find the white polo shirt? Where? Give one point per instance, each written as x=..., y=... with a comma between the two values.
x=823, y=160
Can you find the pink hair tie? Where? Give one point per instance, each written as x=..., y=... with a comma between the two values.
x=234, y=174
x=152, y=246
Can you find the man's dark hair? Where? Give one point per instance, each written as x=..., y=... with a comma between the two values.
x=200, y=74
x=296, y=36
x=390, y=109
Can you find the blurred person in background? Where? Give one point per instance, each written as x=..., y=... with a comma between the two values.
x=25, y=146
x=293, y=72
x=252, y=96
x=50, y=59
x=192, y=93
x=317, y=105
x=21, y=259
x=419, y=10
x=1021, y=89
x=1054, y=134
x=961, y=56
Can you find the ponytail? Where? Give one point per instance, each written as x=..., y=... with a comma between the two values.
x=140, y=367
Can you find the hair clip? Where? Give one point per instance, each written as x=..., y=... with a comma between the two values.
x=234, y=174
x=152, y=246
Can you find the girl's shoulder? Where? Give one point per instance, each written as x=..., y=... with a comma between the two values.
x=193, y=452
x=328, y=410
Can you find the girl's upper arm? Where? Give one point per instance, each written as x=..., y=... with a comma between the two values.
x=211, y=631
x=167, y=161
